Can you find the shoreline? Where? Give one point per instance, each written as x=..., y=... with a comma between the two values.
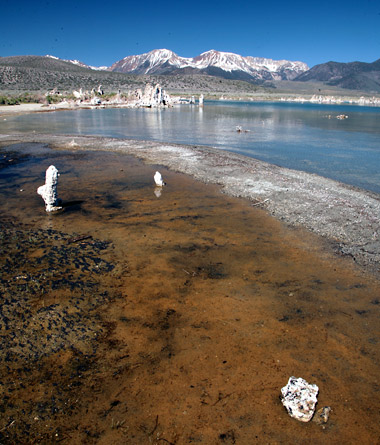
x=345, y=216
x=11, y=110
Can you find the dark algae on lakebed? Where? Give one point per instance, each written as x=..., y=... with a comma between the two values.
x=132, y=318
x=49, y=326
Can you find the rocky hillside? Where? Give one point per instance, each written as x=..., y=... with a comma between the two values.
x=38, y=73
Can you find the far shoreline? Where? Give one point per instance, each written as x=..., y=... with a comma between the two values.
x=286, y=98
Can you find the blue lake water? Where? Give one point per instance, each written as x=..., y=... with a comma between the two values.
x=305, y=137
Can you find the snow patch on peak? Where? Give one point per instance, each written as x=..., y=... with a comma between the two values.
x=76, y=62
x=79, y=63
x=275, y=65
x=162, y=52
x=224, y=60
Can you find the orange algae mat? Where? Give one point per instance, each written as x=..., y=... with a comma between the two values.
x=136, y=318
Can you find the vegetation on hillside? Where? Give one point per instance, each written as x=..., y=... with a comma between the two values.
x=23, y=98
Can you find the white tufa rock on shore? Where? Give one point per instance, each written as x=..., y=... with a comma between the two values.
x=158, y=180
x=48, y=191
x=299, y=398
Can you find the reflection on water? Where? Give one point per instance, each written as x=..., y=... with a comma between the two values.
x=301, y=136
x=158, y=192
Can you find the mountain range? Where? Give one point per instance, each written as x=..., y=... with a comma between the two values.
x=210, y=71
x=46, y=73
x=216, y=63
x=353, y=75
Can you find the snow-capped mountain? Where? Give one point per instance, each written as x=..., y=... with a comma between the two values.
x=223, y=64
x=149, y=63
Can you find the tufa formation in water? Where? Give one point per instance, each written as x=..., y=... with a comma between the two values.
x=48, y=191
x=158, y=180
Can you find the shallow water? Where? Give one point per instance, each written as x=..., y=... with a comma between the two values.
x=304, y=137
x=202, y=310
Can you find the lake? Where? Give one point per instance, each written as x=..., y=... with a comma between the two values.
x=306, y=137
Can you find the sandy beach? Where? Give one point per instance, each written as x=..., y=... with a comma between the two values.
x=9, y=110
x=139, y=315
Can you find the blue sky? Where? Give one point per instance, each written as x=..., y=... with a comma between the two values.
x=101, y=33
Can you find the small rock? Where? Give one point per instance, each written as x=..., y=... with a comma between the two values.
x=299, y=398
x=322, y=415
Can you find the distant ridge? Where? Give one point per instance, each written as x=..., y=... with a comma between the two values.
x=353, y=75
x=35, y=73
x=216, y=63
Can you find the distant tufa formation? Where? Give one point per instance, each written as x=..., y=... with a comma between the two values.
x=153, y=96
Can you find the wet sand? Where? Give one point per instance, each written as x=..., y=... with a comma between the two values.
x=132, y=318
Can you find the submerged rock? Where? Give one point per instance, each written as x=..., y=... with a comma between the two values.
x=48, y=191
x=299, y=398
